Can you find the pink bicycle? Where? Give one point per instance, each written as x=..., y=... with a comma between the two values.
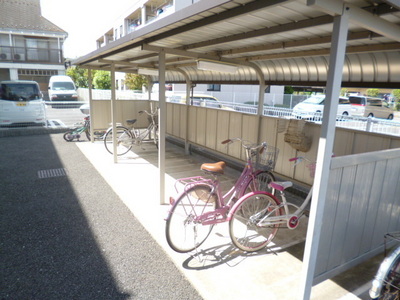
x=201, y=204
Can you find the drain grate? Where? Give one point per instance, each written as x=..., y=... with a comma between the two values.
x=52, y=173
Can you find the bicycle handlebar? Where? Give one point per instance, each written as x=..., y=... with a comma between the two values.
x=149, y=114
x=299, y=159
x=246, y=144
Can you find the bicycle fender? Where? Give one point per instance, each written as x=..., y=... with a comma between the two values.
x=110, y=129
x=243, y=198
x=384, y=269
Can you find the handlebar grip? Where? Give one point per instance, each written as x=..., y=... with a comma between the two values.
x=140, y=112
x=293, y=159
x=226, y=141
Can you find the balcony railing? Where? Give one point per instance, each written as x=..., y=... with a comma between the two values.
x=30, y=55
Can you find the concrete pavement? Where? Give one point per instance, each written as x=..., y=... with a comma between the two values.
x=82, y=234
x=218, y=270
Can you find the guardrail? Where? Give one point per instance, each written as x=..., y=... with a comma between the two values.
x=376, y=125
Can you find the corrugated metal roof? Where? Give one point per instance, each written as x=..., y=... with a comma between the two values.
x=289, y=40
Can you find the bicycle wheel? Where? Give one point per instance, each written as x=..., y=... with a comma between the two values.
x=87, y=131
x=68, y=136
x=124, y=140
x=260, y=183
x=183, y=233
x=156, y=135
x=245, y=232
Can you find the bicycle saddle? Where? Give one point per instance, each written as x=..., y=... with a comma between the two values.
x=217, y=167
x=131, y=122
x=281, y=185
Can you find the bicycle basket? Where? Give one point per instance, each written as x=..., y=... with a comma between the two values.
x=266, y=160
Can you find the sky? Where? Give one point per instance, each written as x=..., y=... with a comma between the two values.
x=84, y=21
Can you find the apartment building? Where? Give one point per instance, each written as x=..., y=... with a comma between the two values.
x=141, y=13
x=30, y=45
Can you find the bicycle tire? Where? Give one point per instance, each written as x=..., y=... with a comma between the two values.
x=243, y=229
x=156, y=136
x=123, y=134
x=261, y=183
x=391, y=290
x=182, y=234
x=87, y=131
x=68, y=136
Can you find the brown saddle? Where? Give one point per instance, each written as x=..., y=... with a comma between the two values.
x=217, y=167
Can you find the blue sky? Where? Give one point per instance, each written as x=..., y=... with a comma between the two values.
x=84, y=20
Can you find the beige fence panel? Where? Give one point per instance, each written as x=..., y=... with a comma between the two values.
x=208, y=127
x=125, y=109
x=211, y=129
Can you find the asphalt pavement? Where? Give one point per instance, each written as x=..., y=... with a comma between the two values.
x=65, y=234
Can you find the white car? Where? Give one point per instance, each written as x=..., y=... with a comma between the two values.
x=21, y=103
x=313, y=107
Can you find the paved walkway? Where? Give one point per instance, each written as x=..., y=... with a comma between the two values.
x=64, y=233
x=217, y=270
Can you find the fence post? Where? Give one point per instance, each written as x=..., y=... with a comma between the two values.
x=369, y=125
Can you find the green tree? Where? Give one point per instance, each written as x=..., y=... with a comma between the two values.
x=396, y=94
x=372, y=92
x=79, y=76
x=343, y=92
x=135, y=81
x=102, y=80
x=288, y=90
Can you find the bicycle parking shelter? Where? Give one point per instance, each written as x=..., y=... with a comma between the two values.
x=314, y=43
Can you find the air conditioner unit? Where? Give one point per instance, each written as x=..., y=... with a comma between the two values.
x=5, y=56
x=18, y=56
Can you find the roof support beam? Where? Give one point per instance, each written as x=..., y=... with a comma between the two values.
x=192, y=55
x=116, y=62
x=358, y=16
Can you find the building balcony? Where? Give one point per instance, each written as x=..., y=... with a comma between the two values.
x=31, y=55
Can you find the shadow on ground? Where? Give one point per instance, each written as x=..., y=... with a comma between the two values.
x=48, y=249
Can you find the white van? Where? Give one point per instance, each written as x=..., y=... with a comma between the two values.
x=21, y=103
x=62, y=88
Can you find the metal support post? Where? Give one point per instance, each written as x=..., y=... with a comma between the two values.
x=338, y=49
x=162, y=124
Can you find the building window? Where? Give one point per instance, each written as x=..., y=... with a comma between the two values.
x=214, y=87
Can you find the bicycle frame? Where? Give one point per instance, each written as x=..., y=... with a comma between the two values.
x=141, y=136
x=290, y=219
x=285, y=217
x=221, y=214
